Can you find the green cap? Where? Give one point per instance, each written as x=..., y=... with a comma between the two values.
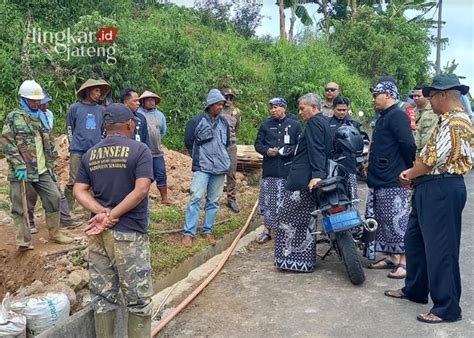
x=442, y=82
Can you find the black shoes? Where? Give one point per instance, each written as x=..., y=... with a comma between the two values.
x=232, y=205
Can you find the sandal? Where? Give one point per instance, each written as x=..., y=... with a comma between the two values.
x=387, y=264
x=434, y=319
x=398, y=294
x=263, y=237
x=392, y=275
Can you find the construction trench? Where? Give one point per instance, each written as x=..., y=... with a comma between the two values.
x=203, y=265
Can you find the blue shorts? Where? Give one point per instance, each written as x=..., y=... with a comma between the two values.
x=159, y=171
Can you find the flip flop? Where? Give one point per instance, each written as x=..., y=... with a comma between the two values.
x=391, y=273
x=423, y=318
x=388, y=264
x=398, y=294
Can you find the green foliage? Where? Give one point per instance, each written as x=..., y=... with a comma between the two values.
x=375, y=45
x=168, y=49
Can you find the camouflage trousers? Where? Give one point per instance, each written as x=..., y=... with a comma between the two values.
x=120, y=270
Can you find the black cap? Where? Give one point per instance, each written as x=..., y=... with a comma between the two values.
x=118, y=113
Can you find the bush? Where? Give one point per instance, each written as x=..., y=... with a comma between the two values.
x=167, y=49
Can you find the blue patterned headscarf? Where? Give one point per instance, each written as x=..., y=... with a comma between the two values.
x=278, y=102
x=386, y=87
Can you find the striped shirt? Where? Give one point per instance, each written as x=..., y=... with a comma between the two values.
x=448, y=150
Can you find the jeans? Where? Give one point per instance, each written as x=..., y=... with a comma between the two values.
x=159, y=171
x=202, y=183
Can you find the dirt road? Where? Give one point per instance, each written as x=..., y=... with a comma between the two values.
x=251, y=298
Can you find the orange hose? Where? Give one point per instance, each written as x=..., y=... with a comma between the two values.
x=214, y=273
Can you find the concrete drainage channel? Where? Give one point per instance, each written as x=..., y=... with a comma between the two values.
x=179, y=281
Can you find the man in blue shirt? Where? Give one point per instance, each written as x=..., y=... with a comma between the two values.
x=84, y=127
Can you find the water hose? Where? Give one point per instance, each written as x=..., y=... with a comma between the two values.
x=206, y=282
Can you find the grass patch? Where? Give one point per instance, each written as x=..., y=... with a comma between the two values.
x=171, y=214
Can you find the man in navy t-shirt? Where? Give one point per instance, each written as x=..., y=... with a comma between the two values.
x=118, y=171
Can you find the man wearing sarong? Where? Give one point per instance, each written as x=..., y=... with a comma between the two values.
x=392, y=151
x=295, y=247
x=276, y=142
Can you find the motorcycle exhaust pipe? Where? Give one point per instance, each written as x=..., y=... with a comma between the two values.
x=370, y=225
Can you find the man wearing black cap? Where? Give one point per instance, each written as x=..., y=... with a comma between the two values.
x=434, y=229
x=118, y=171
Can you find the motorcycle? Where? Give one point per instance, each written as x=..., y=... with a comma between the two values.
x=342, y=226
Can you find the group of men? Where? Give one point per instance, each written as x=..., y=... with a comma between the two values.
x=115, y=155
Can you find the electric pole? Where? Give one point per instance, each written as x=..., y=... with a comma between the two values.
x=438, y=41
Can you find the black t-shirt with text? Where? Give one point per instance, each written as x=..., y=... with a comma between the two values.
x=111, y=168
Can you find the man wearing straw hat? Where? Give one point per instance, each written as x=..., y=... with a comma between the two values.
x=84, y=127
x=156, y=123
x=30, y=152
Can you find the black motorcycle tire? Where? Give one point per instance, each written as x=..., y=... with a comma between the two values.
x=349, y=256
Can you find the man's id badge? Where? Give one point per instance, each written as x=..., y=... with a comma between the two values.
x=286, y=139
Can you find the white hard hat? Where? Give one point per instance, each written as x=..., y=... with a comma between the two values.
x=30, y=89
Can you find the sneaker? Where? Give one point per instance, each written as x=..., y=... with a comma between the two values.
x=210, y=238
x=187, y=241
x=232, y=205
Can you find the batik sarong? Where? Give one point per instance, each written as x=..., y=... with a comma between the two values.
x=390, y=208
x=295, y=247
x=270, y=200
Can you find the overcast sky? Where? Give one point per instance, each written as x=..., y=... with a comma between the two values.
x=459, y=29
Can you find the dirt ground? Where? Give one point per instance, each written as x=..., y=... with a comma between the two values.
x=46, y=263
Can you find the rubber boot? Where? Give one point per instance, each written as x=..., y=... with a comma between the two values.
x=164, y=195
x=23, y=234
x=138, y=326
x=69, y=197
x=105, y=324
x=52, y=224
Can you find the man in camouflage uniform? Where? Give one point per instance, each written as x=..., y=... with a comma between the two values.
x=232, y=115
x=118, y=171
x=30, y=152
x=426, y=119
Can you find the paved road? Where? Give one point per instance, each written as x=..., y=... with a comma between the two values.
x=251, y=298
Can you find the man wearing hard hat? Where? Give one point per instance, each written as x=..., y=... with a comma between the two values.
x=84, y=127
x=30, y=151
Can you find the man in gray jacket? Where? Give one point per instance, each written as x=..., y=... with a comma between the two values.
x=206, y=138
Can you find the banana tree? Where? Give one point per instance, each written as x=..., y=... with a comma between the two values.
x=298, y=11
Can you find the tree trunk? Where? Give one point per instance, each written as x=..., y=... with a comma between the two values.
x=292, y=22
x=353, y=8
x=325, y=16
x=282, y=20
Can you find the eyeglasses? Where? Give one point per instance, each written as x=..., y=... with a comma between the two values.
x=330, y=89
x=431, y=96
x=229, y=97
x=374, y=95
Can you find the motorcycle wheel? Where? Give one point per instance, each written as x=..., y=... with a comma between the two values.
x=348, y=252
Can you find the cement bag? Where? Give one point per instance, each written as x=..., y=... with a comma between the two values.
x=42, y=311
x=11, y=323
